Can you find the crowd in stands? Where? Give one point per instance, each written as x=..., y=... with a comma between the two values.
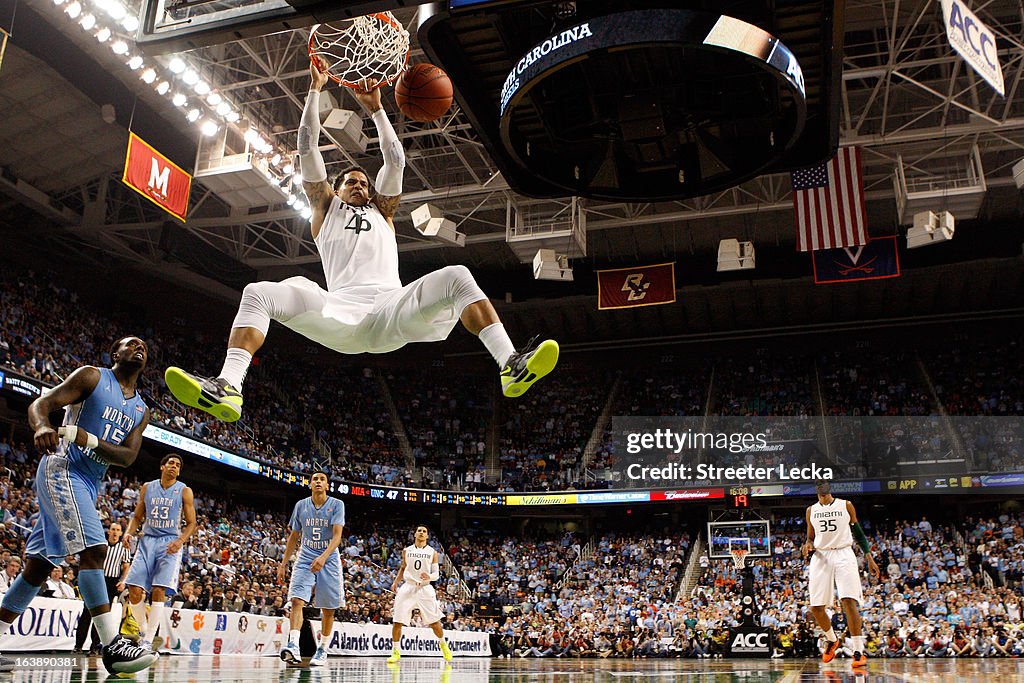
x=299, y=409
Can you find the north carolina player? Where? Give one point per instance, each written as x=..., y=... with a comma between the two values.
x=104, y=418
x=365, y=308
x=162, y=504
x=419, y=568
x=317, y=525
x=831, y=529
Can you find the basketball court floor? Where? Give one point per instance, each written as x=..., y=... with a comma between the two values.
x=174, y=669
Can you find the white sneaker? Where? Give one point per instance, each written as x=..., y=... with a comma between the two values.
x=290, y=654
x=319, y=658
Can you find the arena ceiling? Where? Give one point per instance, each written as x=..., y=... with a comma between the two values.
x=905, y=95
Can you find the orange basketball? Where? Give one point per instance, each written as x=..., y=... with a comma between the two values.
x=424, y=92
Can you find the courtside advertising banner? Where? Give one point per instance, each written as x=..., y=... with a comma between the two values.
x=47, y=624
x=636, y=286
x=156, y=177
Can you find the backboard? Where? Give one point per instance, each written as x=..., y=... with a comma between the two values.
x=722, y=536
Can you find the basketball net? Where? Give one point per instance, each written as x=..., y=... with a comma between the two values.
x=374, y=47
x=739, y=556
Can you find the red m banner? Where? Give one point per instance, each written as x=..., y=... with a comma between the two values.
x=156, y=177
x=640, y=286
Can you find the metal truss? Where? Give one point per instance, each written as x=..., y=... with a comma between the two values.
x=905, y=95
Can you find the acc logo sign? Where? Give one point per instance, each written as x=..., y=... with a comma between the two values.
x=974, y=41
x=175, y=618
x=750, y=641
x=243, y=624
x=636, y=287
x=197, y=621
x=261, y=625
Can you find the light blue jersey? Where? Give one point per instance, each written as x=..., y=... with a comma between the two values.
x=106, y=414
x=163, y=509
x=317, y=527
x=67, y=481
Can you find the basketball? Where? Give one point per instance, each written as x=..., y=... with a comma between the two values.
x=424, y=93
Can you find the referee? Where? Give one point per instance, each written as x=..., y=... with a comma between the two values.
x=115, y=568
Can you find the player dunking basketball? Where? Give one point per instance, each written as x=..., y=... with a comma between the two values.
x=365, y=308
x=419, y=568
x=832, y=528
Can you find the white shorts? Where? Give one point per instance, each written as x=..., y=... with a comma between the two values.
x=410, y=597
x=834, y=571
x=364, y=320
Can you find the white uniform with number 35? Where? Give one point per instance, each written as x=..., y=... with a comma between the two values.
x=833, y=564
x=417, y=593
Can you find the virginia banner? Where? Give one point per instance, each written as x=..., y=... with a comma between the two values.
x=638, y=286
x=876, y=260
x=156, y=177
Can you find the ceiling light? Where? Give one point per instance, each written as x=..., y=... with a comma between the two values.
x=87, y=22
x=58, y=2
x=149, y=75
x=276, y=159
x=74, y=9
x=120, y=47
x=179, y=100
x=202, y=87
x=130, y=23
x=135, y=62
x=223, y=109
x=103, y=35
x=305, y=213
x=209, y=128
x=193, y=115
x=190, y=77
x=297, y=179
x=177, y=65
x=117, y=11
x=214, y=99
x=288, y=168
x=291, y=199
x=163, y=88
x=232, y=116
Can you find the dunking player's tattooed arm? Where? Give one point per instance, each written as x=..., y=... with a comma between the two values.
x=319, y=196
x=78, y=386
x=388, y=206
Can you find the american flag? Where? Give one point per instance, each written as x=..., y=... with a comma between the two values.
x=829, y=203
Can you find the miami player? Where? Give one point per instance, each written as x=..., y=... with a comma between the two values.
x=832, y=527
x=420, y=566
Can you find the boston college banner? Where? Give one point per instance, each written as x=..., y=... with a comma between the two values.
x=156, y=177
x=638, y=286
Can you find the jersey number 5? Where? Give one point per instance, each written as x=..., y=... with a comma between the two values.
x=828, y=525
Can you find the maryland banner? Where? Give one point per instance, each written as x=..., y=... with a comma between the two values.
x=876, y=260
x=639, y=286
x=156, y=177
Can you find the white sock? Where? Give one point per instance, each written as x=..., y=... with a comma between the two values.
x=5, y=626
x=236, y=364
x=830, y=635
x=156, y=611
x=106, y=626
x=497, y=341
x=293, y=636
x=139, y=614
x=319, y=638
x=858, y=643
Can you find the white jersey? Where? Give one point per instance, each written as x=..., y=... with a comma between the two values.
x=831, y=525
x=417, y=560
x=358, y=248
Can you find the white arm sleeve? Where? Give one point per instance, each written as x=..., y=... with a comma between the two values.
x=435, y=572
x=389, y=179
x=311, y=162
